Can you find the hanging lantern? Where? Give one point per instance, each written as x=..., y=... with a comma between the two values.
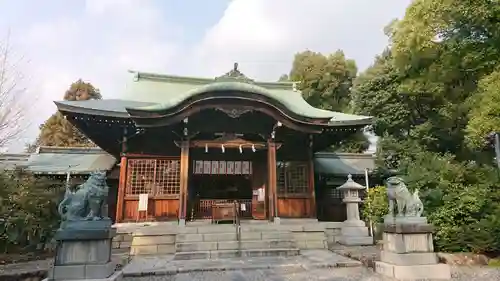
x=241, y=149
x=206, y=148
x=223, y=148
x=253, y=148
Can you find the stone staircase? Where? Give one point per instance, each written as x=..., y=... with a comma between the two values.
x=207, y=241
x=213, y=242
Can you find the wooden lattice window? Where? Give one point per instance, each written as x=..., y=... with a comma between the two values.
x=292, y=177
x=153, y=176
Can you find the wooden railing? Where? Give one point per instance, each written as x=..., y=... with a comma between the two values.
x=203, y=207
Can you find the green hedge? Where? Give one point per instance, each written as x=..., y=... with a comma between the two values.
x=28, y=211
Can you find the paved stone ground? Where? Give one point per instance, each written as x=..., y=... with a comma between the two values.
x=312, y=265
x=165, y=265
x=333, y=274
x=297, y=274
x=39, y=267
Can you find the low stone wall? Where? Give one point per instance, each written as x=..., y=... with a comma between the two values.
x=154, y=241
x=313, y=235
x=332, y=232
x=122, y=242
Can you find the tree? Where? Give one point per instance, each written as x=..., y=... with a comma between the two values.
x=57, y=131
x=28, y=211
x=325, y=82
x=12, y=105
x=284, y=78
x=439, y=52
x=376, y=93
x=434, y=87
x=485, y=113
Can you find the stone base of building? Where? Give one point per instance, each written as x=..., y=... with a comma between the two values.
x=355, y=233
x=355, y=241
x=83, y=272
x=117, y=276
x=414, y=272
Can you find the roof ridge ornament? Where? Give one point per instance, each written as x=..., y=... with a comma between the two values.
x=234, y=75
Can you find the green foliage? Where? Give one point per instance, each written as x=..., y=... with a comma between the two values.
x=485, y=113
x=28, y=211
x=325, y=82
x=352, y=143
x=460, y=197
x=376, y=204
x=434, y=95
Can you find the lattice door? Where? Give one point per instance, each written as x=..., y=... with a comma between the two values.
x=153, y=176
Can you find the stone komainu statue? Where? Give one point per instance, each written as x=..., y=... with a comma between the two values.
x=409, y=205
x=87, y=202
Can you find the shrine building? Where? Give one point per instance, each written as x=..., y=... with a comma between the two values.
x=189, y=143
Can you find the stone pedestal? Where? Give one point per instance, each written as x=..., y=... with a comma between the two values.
x=84, y=254
x=353, y=231
x=408, y=252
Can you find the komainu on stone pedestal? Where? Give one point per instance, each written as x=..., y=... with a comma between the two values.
x=84, y=208
x=408, y=251
x=85, y=235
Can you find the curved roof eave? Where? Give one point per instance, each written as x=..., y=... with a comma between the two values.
x=344, y=119
x=292, y=100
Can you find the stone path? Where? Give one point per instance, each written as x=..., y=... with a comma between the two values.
x=297, y=274
x=25, y=267
x=338, y=274
x=38, y=267
x=165, y=265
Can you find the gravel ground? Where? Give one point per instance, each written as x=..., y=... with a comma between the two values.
x=336, y=274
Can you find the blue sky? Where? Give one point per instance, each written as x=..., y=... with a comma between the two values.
x=61, y=41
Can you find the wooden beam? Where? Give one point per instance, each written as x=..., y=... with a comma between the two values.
x=139, y=155
x=184, y=170
x=121, y=190
x=272, y=179
x=312, y=190
x=227, y=144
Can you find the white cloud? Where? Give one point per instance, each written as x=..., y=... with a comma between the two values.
x=110, y=36
x=99, y=46
x=264, y=35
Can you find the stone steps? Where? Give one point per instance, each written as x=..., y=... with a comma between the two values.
x=253, y=242
x=222, y=254
x=155, y=241
x=168, y=239
x=234, y=245
x=245, y=235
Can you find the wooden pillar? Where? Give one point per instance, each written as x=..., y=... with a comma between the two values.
x=272, y=179
x=312, y=190
x=122, y=182
x=120, y=200
x=184, y=170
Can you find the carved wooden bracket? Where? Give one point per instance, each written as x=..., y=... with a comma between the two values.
x=234, y=112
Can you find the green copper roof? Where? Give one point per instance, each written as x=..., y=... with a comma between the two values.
x=168, y=91
x=343, y=163
x=156, y=92
x=60, y=160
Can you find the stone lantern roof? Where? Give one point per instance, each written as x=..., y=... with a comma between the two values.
x=351, y=185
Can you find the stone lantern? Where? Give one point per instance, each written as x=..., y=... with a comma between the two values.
x=354, y=230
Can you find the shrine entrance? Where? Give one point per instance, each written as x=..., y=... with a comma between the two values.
x=217, y=178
